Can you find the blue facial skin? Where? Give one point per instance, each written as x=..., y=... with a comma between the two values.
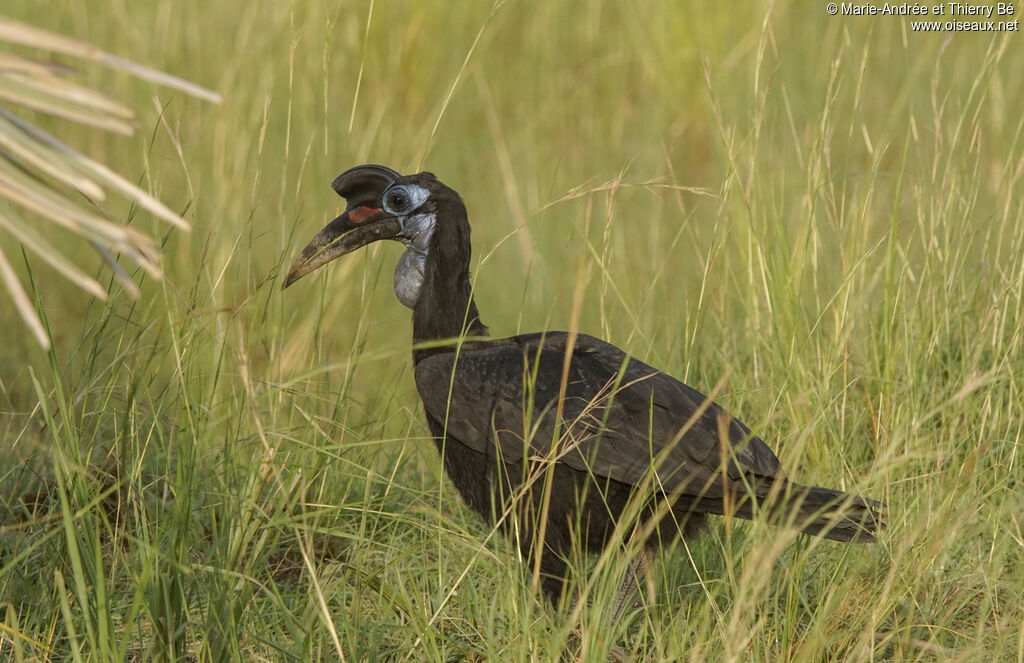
x=417, y=229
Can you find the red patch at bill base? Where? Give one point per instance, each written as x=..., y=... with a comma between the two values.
x=360, y=214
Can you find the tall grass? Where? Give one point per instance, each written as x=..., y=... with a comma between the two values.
x=823, y=212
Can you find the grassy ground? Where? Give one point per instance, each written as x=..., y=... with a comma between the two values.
x=824, y=211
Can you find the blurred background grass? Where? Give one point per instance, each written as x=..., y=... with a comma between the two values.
x=827, y=211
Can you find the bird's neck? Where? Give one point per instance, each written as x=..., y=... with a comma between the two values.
x=445, y=309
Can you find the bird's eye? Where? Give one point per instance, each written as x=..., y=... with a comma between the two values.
x=398, y=200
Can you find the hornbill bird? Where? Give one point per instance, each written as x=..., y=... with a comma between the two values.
x=567, y=429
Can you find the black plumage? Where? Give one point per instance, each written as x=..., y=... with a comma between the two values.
x=567, y=428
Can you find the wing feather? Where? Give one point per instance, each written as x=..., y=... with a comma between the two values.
x=619, y=417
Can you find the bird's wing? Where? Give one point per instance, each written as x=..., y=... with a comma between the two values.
x=619, y=417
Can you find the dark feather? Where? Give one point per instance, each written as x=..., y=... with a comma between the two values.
x=623, y=421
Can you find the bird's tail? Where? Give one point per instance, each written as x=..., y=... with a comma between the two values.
x=824, y=512
x=831, y=514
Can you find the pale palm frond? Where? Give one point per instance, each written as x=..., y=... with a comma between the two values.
x=54, y=182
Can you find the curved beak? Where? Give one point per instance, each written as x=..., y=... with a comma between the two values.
x=355, y=228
